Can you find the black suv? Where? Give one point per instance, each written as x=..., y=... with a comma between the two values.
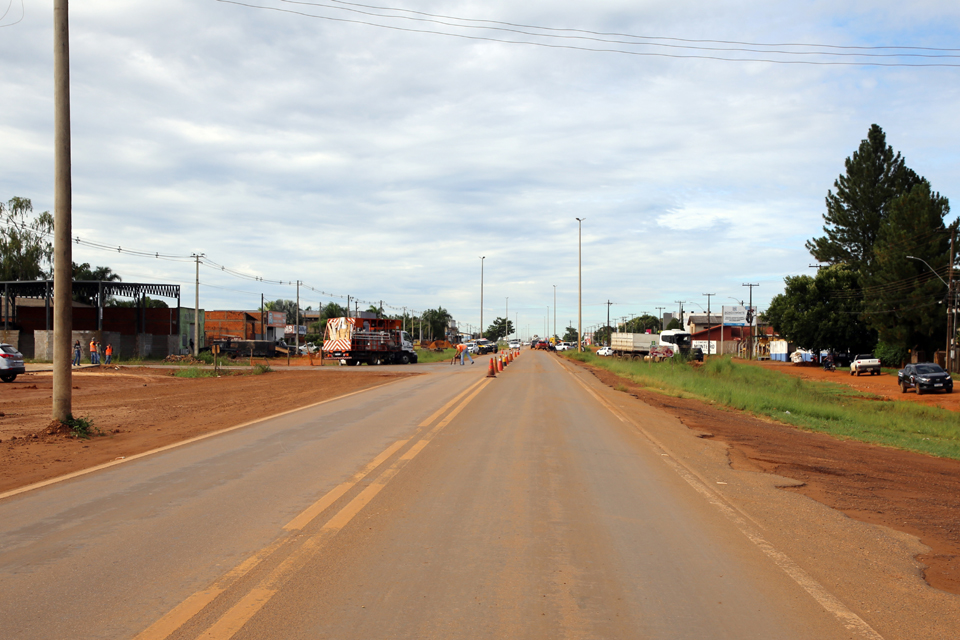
x=924, y=376
x=485, y=346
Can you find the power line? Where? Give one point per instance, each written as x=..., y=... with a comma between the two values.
x=589, y=49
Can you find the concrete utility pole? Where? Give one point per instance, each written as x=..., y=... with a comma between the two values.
x=482, y=258
x=580, y=284
x=555, y=310
x=62, y=224
x=610, y=337
x=196, y=307
x=951, y=306
x=296, y=328
x=660, y=316
x=753, y=316
x=708, y=322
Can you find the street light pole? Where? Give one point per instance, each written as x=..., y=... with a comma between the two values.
x=554, y=309
x=580, y=284
x=947, y=362
x=481, y=295
x=752, y=317
x=506, y=321
x=708, y=322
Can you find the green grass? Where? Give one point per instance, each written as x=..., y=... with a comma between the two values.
x=194, y=372
x=817, y=406
x=425, y=355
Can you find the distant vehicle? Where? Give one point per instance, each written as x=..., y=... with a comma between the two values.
x=514, y=344
x=696, y=353
x=604, y=351
x=651, y=346
x=865, y=363
x=11, y=363
x=542, y=345
x=563, y=346
x=924, y=377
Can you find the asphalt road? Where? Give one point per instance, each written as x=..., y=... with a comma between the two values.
x=448, y=505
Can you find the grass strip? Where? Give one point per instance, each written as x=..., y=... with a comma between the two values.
x=826, y=407
x=426, y=355
x=194, y=372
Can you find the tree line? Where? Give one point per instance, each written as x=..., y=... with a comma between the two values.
x=885, y=248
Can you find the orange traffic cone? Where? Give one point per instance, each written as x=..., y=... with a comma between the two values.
x=491, y=372
x=499, y=365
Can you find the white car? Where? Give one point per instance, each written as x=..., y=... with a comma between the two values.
x=11, y=363
x=563, y=346
x=514, y=344
x=604, y=351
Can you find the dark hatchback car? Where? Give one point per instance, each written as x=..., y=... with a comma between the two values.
x=924, y=377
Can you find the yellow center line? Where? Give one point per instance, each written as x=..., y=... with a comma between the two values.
x=179, y=615
x=238, y=615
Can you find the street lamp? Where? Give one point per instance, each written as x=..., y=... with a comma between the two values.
x=481, y=294
x=580, y=284
x=554, y=309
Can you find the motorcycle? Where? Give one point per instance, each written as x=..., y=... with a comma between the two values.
x=829, y=366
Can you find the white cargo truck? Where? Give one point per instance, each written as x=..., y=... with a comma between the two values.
x=650, y=346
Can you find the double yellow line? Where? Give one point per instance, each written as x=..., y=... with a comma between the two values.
x=304, y=547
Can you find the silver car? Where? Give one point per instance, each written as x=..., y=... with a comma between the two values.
x=11, y=363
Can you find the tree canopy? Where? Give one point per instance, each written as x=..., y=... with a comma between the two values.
x=435, y=323
x=822, y=312
x=498, y=329
x=874, y=177
x=903, y=297
x=26, y=252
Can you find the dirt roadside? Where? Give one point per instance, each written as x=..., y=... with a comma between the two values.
x=140, y=409
x=908, y=492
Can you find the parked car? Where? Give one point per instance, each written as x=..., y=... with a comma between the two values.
x=924, y=376
x=604, y=351
x=11, y=363
x=563, y=346
x=865, y=363
x=696, y=353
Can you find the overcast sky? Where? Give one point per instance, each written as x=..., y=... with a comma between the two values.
x=382, y=163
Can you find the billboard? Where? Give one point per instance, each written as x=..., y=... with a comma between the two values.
x=736, y=316
x=276, y=318
x=290, y=329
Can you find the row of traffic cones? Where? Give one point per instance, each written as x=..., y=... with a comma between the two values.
x=497, y=363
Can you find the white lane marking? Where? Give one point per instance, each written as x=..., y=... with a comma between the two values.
x=850, y=620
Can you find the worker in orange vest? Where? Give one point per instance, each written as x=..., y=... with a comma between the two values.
x=109, y=352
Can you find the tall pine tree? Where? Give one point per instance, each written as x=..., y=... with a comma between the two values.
x=874, y=177
x=903, y=298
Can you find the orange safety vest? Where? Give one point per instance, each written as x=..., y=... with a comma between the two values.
x=109, y=350
x=93, y=346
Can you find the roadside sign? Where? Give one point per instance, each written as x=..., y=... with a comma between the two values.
x=735, y=316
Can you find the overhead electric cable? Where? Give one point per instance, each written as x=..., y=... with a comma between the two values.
x=590, y=49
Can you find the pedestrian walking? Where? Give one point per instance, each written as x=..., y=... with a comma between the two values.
x=77, y=352
x=93, y=351
x=109, y=352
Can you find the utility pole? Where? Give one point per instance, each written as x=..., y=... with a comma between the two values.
x=660, y=316
x=62, y=408
x=752, y=316
x=196, y=307
x=608, y=323
x=506, y=320
x=296, y=328
x=951, y=307
x=348, y=305
x=580, y=285
x=482, y=258
x=555, y=310
x=709, y=323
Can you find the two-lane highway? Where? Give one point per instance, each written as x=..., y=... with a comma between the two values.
x=448, y=505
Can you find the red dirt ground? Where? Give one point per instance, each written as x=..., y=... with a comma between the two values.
x=140, y=409
x=909, y=492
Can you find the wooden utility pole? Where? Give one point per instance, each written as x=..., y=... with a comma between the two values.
x=196, y=308
x=752, y=317
x=62, y=224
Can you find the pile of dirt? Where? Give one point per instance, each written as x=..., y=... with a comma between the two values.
x=909, y=492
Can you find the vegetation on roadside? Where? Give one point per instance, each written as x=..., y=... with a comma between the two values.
x=260, y=369
x=426, y=355
x=82, y=427
x=826, y=407
x=194, y=372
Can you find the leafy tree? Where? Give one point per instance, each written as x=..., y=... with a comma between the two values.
x=105, y=274
x=640, y=324
x=150, y=303
x=874, y=177
x=570, y=335
x=602, y=335
x=822, y=312
x=24, y=245
x=435, y=323
x=902, y=295
x=674, y=324
x=498, y=329
x=287, y=306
